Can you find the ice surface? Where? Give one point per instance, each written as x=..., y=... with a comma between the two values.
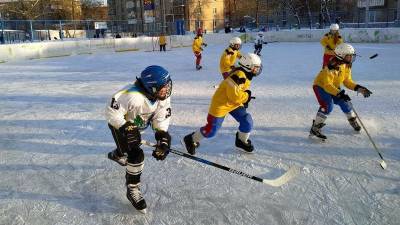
x=54, y=140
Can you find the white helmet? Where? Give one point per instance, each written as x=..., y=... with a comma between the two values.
x=235, y=41
x=260, y=33
x=334, y=26
x=345, y=49
x=251, y=62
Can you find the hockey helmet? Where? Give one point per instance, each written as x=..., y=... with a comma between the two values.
x=343, y=50
x=235, y=41
x=334, y=27
x=251, y=62
x=154, y=79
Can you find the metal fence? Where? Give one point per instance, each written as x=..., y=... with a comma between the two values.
x=17, y=31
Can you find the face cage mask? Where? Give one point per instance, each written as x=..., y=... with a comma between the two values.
x=235, y=46
x=257, y=70
x=168, y=85
x=353, y=58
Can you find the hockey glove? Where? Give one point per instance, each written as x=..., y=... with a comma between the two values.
x=363, y=90
x=132, y=135
x=204, y=44
x=343, y=96
x=163, y=145
x=246, y=104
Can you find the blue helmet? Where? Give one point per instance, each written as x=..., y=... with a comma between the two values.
x=153, y=79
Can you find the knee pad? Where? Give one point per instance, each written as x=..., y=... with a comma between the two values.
x=326, y=110
x=135, y=156
x=209, y=133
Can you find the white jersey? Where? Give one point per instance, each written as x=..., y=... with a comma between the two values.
x=129, y=104
x=259, y=40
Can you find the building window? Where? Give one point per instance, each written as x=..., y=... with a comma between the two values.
x=215, y=11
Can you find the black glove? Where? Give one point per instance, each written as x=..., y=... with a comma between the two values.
x=343, y=96
x=204, y=44
x=363, y=90
x=246, y=104
x=132, y=134
x=163, y=145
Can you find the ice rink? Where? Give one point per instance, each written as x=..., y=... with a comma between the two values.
x=54, y=140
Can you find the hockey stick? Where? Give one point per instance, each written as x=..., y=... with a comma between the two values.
x=371, y=57
x=382, y=163
x=283, y=179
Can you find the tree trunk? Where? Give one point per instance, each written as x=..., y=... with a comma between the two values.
x=309, y=15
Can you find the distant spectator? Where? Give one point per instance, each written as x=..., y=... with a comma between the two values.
x=27, y=37
x=242, y=29
x=162, y=41
x=61, y=34
x=228, y=28
x=118, y=36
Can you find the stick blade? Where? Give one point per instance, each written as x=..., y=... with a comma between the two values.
x=283, y=179
x=373, y=56
x=383, y=165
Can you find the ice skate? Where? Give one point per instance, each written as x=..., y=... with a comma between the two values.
x=240, y=145
x=353, y=122
x=134, y=195
x=121, y=160
x=189, y=144
x=315, y=131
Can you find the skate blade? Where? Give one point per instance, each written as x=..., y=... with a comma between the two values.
x=315, y=138
x=242, y=150
x=144, y=211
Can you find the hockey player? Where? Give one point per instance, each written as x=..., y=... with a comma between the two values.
x=229, y=56
x=329, y=42
x=232, y=96
x=258, y=42
x=162, y=42
x=328, y=91
x=133, y=109
x=197, y=47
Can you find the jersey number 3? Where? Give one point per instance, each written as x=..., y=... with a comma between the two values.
x=114, y=104
x=168, y=113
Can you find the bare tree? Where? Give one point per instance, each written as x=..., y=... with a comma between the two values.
x=24, y=10
x=294, y=7
x=309, y=14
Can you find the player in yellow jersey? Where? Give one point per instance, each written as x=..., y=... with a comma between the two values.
x=329, y=42
x=232, y=96
x=197, y=47
x=327, y=89
x=229, y=56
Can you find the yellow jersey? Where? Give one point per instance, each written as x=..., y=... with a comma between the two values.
x=331, y=79
x=329, y=42
x=230, y=94
x=228, y=59
x=197, y=42
x=162, y=40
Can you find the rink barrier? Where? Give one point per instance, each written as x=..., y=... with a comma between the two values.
x=60, y=48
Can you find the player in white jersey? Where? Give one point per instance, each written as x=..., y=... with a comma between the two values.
x=258, y=43
x=133, y=109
